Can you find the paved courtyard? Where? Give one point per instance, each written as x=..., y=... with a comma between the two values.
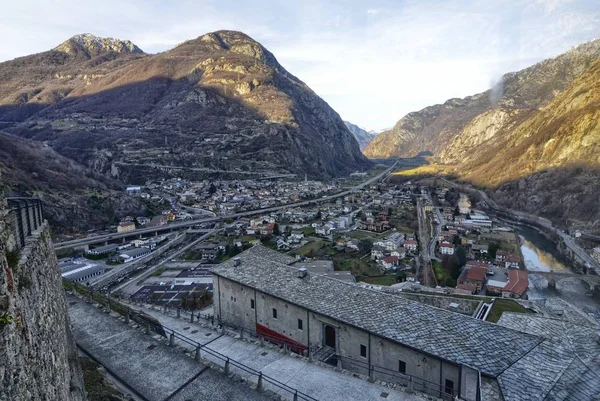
x=320, y=382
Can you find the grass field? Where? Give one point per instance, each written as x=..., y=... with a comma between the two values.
x=440, y=274
x=504, y=305
x=310, y=250
x=381, y=280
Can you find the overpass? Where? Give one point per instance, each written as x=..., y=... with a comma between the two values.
x=186, y=224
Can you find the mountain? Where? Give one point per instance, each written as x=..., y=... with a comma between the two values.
x=74, y=197
x=433, y=128
x=362, y=136
x=219, y=105
x=533, y=144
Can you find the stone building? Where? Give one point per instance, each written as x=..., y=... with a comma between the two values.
x=393, y=339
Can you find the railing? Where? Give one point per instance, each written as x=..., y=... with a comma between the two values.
x=26, y=216
x=152, y=325
x=406, y=380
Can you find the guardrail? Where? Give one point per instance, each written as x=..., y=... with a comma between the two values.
x=25, y=215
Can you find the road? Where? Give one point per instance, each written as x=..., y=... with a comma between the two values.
x=438, y=229
x=102, y=238
x=146, y=273
x=547, y=224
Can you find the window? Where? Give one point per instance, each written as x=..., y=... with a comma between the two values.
x=449, y=387
x=300, y=324
x=274, y=313
x=363, y=351
x=252, y=304
x=402, y=367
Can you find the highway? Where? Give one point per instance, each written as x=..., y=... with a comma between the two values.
x=186, y=224
x=146, y=273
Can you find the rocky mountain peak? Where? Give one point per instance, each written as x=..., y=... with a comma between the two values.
x=93, y=45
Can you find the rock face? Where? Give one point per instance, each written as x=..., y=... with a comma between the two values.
x=220, y=104
x=363, y=137
x=532, y=141
x=75, y=197
x=38, y=359
x=434, y=127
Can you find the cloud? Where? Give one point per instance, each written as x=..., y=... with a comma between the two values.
x=371, y=70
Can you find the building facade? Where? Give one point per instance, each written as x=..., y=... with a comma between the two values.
x=388, y=338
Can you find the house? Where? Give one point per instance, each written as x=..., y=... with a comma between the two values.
x=390, y=262
x=410, y=245
x=472, y=277
x=400, y=252
x=282, y=245
x=447, y=248
x=512, y=261
x=480, y=249
x=296, y=236
x=376, y=253
x=495, y=287
x=125, y=226
x=142, y=220
x=518, y=282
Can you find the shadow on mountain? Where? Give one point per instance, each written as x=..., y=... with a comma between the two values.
x=186, y=125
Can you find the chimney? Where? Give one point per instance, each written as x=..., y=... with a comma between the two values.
x=237, y=261
x=302, y=272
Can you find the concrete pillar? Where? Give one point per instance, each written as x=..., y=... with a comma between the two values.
x=259, y=385
x=285, y=348
x=339, y=362
x=310, y=356
x=227, y=366
x=197, y=356
x=262, y=340
x=371, y=373
x=108, y=306
x=147, y=328
x=172, y=339
x=296, y=395
x=178, y=312
x=409, y=387
x=127, y=316
x=192, y=317
x=241, y=334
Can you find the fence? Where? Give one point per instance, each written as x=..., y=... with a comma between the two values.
x=152, y=325
x=25, y=215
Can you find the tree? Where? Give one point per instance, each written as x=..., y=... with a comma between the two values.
x=492, y=250
x=212, y=189
x=450, y=264
x=276, y=229
x=456, y=240
x=288, y=230
x=365, y=245
x=450, y=282
x=461, y=255
x=456, y=211
x=474, y=197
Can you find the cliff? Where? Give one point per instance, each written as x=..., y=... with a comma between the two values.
x=38, y=358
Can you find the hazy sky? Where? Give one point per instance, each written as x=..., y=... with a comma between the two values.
x=372, y=61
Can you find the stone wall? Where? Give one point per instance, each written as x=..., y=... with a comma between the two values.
x=38, y=358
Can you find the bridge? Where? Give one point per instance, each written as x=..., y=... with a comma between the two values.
x=98, y=239
x=555, y=276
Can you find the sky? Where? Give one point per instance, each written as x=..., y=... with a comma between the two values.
x=372, y=61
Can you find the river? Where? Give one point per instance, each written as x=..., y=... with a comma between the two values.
x=539, y=253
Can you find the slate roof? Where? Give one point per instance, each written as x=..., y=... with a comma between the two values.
x=565, y=366
x=447, y=335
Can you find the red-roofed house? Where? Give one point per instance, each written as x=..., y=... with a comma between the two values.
x=447, y=248
x=518, y=281
x=410, y=245
x=474, y=275
x=390, y=262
